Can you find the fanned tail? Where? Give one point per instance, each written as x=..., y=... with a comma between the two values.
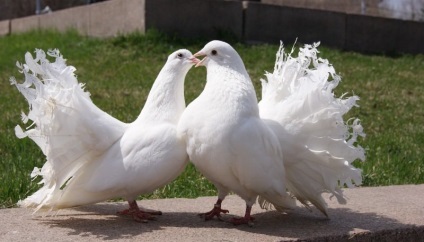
x=69, y=129
x=319, y=147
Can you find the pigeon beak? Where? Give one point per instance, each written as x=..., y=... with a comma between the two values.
x=194, y=60
x=200, y=53
x=200, y=63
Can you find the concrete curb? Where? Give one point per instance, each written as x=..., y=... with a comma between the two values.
x=393, y=213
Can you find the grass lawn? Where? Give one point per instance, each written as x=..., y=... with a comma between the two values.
x=119, y=72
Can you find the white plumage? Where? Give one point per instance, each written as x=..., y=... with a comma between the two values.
x=292, y=144
x=92, y=156
x=318, y=146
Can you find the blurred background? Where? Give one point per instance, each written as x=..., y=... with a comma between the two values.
x=399, y=9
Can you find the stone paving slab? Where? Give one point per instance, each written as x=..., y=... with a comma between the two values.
x=393, y=213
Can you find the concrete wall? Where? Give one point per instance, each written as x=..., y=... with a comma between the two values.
x=11, y=9
x=344, y=6
x=194, y=18
x=117, y=17
x=248, y=21
x=4, y=27
x=76, y=18
x=379, y=35
x=103, y=19
x=367, y=34
x=19, y=25
x=270, y=23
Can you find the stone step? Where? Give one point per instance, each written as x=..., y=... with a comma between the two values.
x=392, y=213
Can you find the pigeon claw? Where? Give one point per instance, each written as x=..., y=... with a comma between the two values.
x=154, y=212
x=143, y=217
x=139, y=216
x=151, y=211
x=243, y=220
x=216, y=211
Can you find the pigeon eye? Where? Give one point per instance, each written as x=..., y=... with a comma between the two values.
x=180, y=55
x=214, y=52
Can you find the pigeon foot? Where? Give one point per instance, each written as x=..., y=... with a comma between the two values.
x=247, y=219
x=139, y=215
x=151, y=211
x=243, y=220
x=216, y=211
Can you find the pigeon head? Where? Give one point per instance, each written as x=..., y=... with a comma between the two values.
x=182, y=59
x=219, y=53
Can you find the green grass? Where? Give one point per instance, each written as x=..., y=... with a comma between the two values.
x=119, y=72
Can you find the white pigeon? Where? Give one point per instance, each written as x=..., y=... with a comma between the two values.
x=91, y=156
x=282, y=150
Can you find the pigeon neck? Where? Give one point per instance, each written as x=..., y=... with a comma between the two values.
x=166, y=98
x=233, y=89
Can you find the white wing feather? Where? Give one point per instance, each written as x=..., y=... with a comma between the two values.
x=67, y=126
x=318, y=145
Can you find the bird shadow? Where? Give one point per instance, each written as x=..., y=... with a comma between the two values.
x=102, y=222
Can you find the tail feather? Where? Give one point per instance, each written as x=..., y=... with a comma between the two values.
x=70, y=130
x=318, y=145
x=281, y=204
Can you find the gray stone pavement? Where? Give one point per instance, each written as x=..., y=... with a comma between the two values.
x=392, y=213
